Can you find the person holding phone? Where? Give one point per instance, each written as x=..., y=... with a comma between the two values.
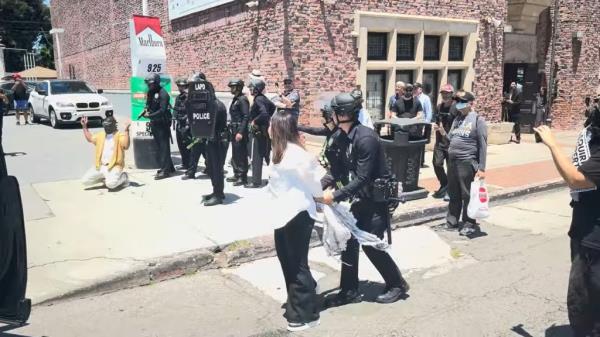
x=582, y=175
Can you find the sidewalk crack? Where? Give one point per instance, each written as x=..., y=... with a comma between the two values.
x=537, y=211
x=87, y=259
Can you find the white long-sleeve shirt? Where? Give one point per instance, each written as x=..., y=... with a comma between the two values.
x=427, y=108
x=293, y=185
x=365, y=119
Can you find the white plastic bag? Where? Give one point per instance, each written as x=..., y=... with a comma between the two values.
x=479, y=200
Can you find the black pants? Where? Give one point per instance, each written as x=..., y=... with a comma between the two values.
x=260, y=152
x=292, y=243
x=460, y=176
x=216, y=151
x=516, y=118
x=182, y=143
x=197, y=150
x=162, y=135
x=583, y=296
x=440, y=156
x=239, y=157
x=373, y=218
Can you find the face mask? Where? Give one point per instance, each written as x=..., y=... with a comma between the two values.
x=462, y=105
x=110, y=126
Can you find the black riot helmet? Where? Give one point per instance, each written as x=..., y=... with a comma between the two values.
x=236, y=85
x=345, y=105
x=197, y=77
x=327, y=114
x=358, y=96
x=257, y=86
x=181, y=82
x=153, y=80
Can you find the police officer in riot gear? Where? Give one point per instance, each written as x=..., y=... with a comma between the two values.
x=332, y=154
x=260, y=114
x=239, y=111
x=182, y=130
x=208, y=120
x=366, y=162
x=157, y=110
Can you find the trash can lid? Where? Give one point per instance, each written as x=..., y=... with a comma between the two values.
x=395, y=121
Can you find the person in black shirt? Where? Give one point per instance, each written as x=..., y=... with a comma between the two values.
x=182, y=129
x=366, y=162
x=260, y=115
x=20, y=96
x=239, y=112
x=582, y=175
x=445, y=114
x=408, y=106
x=157, y=109
x=514, y=110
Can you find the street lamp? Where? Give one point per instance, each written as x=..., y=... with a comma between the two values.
x=55, y=32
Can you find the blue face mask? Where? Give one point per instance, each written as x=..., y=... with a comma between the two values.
x=461, y=105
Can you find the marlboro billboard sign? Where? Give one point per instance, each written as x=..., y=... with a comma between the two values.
x=148, y=54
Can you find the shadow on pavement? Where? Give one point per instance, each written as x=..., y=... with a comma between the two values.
x=369, y=291
x=559, y=331
x=231, y=198
x=518, y=329
x=5, y=328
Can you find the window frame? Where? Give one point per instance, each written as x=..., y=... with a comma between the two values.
x=385, y=36
x=413, y=43
x=439, y=49
x=462, y=48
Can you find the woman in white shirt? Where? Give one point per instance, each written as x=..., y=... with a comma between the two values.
x=294, y=184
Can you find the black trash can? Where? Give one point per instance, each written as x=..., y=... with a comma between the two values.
x=144, y=153
x=403, y=149
x=14, y=307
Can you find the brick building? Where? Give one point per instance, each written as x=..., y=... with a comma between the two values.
x=334, y=45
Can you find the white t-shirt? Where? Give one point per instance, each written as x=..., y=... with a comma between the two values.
x=365, y=119
x=293, y=183
x=109, y=149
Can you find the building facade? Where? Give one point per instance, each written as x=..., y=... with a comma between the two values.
x=330, y=46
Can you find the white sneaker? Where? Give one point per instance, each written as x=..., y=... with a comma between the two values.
x=295, y=327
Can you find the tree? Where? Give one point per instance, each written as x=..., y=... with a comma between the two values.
x=25, y=24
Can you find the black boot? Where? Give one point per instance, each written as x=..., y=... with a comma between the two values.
x=207, y=197
x=343, y=297
x=232, y=179
x=241, y=181
x=215, y=200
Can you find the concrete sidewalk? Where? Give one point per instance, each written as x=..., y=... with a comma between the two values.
x=154, y=230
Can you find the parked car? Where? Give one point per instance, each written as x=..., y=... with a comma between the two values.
x=7, y=87
x=66, y=101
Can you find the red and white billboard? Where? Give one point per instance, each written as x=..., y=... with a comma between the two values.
x=148, y=53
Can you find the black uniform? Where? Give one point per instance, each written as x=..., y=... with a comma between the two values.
x=216, y=150
x=157, y=105
x=445, y=115
x=182, y=130
x=260, y=113
x=366, y=162
x=239, y=112
x=332, y=155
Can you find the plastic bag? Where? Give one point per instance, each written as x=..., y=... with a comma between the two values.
x=479, y=201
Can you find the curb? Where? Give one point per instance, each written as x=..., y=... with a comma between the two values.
x=438, y=210
x=244, y=251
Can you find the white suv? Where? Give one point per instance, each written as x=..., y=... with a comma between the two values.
x=66, y=101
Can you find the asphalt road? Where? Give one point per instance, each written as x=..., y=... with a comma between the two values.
x=509, y=283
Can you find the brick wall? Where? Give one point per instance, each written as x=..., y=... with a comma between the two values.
x=309, y=40
x=578, y=71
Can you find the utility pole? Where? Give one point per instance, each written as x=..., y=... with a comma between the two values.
x=56, y=32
